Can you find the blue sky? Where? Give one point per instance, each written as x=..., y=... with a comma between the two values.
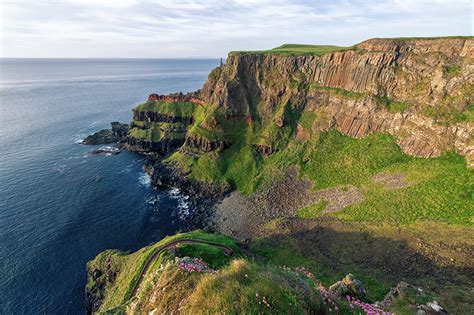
x=212, y=28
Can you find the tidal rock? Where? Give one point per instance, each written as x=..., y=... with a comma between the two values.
x=118, y=133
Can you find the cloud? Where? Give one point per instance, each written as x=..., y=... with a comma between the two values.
x=166, y=28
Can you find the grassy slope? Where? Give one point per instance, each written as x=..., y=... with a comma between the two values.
x=285, y=291
x=181, y=109
x=131, y=265
x=240, y=286
x=439, y=188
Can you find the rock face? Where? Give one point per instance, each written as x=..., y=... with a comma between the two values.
x=415, y=89
x=203, y=144
x=177, y=97
x=99, y=277
x=118, y=133
x=151, y=116
x=162, y=147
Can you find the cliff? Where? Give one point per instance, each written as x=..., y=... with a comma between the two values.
x=335, y=159
x=420, y=90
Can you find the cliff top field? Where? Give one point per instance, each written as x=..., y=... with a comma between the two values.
x=319, y=50
x=297, y=49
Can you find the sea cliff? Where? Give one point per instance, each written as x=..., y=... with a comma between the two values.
x=340, y=160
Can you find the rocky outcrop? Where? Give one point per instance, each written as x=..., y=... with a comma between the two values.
x=99, y=278
x=177, y=97
x=202, y=144
x=349, y=286
x=152, y=116
x=265, y=150
x=162, y=147
x=118, y=133
x=415, y=297
x=169, y=176
x=419, y=75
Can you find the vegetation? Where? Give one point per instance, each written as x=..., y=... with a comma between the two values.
x=180, y=109
x=451, y=70
x=390, y=105
x=129, y=266
x=298, y=49
x=440, y=188
x=447, y=115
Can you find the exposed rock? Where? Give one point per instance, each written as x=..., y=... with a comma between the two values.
x=98, y=280
x=104, y=136
x=163, y=147
x=431, y=308
x=118, y=133
x=345, y=87
x=412, y=295
x=349, y=286
x=265, y=150
x=203, y=144
x=391, y=180
x=152, y=116
x=107, y=151
x=177, y=97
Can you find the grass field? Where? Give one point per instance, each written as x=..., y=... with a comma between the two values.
x=298, y=49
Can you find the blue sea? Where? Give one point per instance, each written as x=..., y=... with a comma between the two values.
x=60, y=205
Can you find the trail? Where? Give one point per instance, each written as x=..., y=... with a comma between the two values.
x=227, y=250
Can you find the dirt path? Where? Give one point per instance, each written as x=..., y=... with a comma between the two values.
x=227, y=250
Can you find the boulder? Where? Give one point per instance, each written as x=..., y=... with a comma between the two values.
x=349, y=286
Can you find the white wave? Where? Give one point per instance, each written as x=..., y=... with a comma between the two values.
x=154, y=199
x=174, y=193
x=144, y=179
x=183, y=209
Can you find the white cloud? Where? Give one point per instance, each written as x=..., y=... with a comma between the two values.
x=166, y=28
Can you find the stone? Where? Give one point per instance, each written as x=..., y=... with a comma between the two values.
x=349, y=286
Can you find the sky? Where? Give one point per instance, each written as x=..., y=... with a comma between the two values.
x=212, y=28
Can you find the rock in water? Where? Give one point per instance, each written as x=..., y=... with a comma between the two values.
x=118, y=133
x=349, y=286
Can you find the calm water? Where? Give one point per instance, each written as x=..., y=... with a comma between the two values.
x=59, y=205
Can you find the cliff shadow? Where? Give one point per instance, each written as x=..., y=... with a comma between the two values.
x=331, y=249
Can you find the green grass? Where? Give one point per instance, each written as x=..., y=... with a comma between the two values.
x=286, y=252
x=212, y=255
x=452, y=70
x=152, y=134
x=391, y=105
x=442, y=188
x=131, y=265
x=298, y=49
x=312, y=211
x=179, y=109
x=446, y=115
x=240, y=288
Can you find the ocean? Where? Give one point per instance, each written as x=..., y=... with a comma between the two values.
x=60, y=205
